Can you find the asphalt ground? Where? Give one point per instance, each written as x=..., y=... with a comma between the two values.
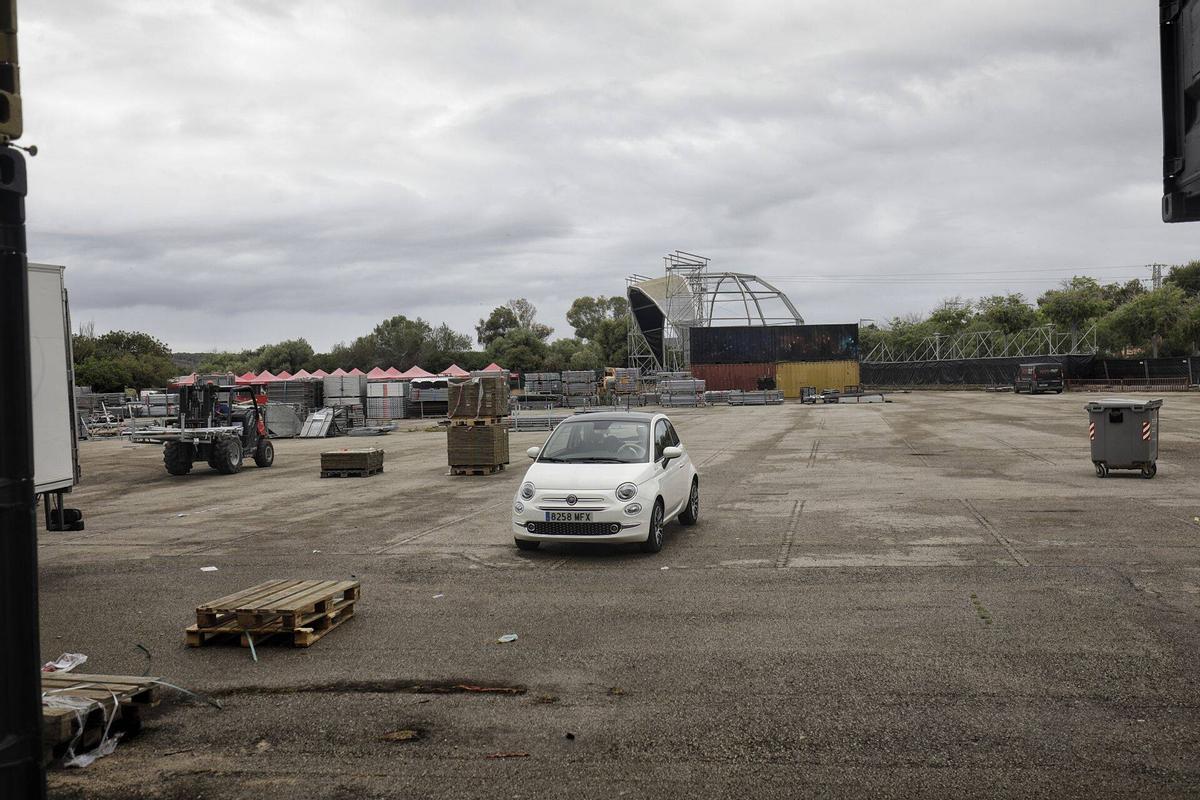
x=932, y=597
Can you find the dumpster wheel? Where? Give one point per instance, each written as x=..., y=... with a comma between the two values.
x=1150, y=470
x=1101, y=469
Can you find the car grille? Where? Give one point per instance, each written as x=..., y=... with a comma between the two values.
x=573, y=528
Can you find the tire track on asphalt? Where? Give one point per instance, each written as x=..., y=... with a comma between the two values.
x=999, y=537
x=912, y=451
x=812, y=454
x=789, y=534
x=387, y=549
x=1022, y=450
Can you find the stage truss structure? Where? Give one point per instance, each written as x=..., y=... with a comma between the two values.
x=1045, y=340
x=691, y=295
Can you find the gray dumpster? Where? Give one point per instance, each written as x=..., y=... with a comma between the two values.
x=1124, y=434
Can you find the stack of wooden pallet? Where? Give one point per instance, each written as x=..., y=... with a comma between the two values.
x=477, y=442
x=361, y=462
x=300, y=610
x=78, y=709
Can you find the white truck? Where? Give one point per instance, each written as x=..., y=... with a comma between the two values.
x=55, y=448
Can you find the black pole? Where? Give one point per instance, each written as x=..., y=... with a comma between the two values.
x=21, y=773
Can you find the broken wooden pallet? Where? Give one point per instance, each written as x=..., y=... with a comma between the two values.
x=350, y=473
x=78, y=708
x=304, y=609
x=481, y=469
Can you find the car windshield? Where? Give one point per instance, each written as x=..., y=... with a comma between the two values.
x=598, y=441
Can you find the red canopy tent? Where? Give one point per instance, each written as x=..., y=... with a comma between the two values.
x=493, y=367
x=392, y=372
x=245, y=378
x=414, y=372
x=356, y=371
x=264, y=377
x=338, y=373
x=320, y=374
x=284, y=375
x=454, y=371
x=302, y=374
x=376, y=374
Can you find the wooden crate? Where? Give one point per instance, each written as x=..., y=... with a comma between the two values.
x=115, y=702
x=477, y=445
x=482, y=469
x=302, y=610
x=360, y=458
x=476, y=397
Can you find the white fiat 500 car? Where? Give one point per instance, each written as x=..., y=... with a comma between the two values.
x=607, y=477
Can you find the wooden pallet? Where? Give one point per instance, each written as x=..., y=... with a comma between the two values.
x=302, y=610
x=62, y=726
x=350, y=473
x=481, y=469
x=465, y=421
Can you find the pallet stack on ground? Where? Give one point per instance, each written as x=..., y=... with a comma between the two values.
x=764, y=397
x=543, y=383
x=361, y=462
x=427, y=397
x=681, y=392
x=627, y=380
x=480, y=397
x=477, y=442
x=346, y=394
x=546, y=420
x=300, y=610
x=307, y=394
x=720, y=397
x=79, y=710
x=386, y=400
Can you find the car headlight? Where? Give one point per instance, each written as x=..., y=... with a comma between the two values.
x=518, y=507
x=626, y=491
x=527, y=490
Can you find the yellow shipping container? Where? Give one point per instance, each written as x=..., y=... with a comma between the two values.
x=792, y=376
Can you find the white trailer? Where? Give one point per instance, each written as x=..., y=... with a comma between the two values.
x=55, y=449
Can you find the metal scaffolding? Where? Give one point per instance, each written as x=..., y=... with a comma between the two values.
x=1029, y=343
x=688, y=296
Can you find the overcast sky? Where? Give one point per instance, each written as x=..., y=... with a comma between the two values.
x=225, y=174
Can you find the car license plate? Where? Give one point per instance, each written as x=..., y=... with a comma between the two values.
x=568, y=516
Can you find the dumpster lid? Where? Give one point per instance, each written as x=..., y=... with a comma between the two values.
x=1123, y=402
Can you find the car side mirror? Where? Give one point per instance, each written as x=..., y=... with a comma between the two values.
x=533, y=452
x=672, y=452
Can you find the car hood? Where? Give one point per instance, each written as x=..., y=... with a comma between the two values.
x=587, y=476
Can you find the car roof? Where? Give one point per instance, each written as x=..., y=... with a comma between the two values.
x=621, y=416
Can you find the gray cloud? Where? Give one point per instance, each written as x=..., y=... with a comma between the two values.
x=313, y=168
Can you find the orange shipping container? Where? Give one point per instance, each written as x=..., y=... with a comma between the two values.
x=722, y=377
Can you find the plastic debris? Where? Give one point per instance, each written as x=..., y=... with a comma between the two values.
x=506, y=638
x=438, y=596
x=208, y=569
x=64, y=663
x=404, y=735
x=663, y=568
x=184, y=514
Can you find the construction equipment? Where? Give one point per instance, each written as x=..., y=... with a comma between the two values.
x=217, y=424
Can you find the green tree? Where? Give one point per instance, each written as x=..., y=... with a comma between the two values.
x=290, y=355
x=950, y=317
x=611, y=341
x=1009, y=313
x=237, y=363
x=521, y=350
x=590, y=357
x=118, y=360
x=559, y=354
x=499, y=323
x=1186, y=277
x=1118, y=294
x=1080, y=300
x=526, y=315
x=586, y=313
x=1151, y=318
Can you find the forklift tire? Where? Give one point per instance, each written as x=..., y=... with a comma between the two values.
x=227, y=456
x=177, y=456
x=264, y=455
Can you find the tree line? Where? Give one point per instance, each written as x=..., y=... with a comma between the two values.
x=1131, y=320
x=510, y=336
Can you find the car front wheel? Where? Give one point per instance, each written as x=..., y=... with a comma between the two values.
x=691, y=512
x=654, y=541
